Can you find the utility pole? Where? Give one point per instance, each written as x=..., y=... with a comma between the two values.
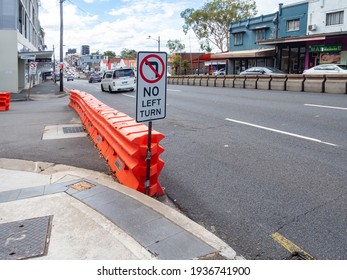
x=54, y=64
x=61, y=73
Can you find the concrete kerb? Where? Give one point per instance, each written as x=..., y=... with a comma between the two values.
x=62, y=173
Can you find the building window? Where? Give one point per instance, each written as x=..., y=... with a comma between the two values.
x=260, y=35
x=238, y=39
x=334, y=18
x=293, y=25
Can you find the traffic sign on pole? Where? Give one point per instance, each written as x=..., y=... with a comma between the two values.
x=32, y=68
x=151, y=86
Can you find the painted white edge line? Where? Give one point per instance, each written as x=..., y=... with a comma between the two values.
x=132, y=96
x=323, y=106
x=282, y=132
x=177, y=90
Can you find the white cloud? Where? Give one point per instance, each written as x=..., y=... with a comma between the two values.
x=127, y=27
x=124, y=23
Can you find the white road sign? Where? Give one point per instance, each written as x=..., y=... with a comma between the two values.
x=32, y=68
x=151, y=86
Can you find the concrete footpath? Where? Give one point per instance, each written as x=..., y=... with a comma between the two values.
x=58, y=200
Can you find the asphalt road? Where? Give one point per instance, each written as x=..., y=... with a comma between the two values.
x=255, y=166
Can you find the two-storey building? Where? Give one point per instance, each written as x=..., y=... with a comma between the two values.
x=319, y=35
x=22, y=42
x=244, y=37
x=297, y=37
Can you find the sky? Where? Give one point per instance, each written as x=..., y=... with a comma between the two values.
x=124, y=24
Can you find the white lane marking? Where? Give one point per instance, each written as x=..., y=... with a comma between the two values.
x=132, y=96
x=329, y=107
x=177, y=90
x=283, y=132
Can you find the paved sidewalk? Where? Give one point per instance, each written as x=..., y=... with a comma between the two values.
x=50, y=209
x=94, y=217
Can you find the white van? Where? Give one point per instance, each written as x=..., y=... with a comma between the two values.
x=118, y=80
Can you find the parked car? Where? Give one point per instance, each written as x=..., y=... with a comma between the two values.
x=118, y=80
x=94, y=78
x=69, y=78
x=327, y=69
x=219, y=72
x=262, y=71
x=56, y=77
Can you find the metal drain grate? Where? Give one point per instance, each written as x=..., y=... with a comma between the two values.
x=25, y=239
x=301, y=256
x=76, y=129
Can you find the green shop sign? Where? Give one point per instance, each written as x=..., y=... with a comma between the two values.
x=325, y=48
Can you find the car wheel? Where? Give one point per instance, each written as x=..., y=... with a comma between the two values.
x=110, y=89
x=102, y=88
x=132, y=89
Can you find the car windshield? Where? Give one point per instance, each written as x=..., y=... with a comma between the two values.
x=344, y=67
x=124, y=73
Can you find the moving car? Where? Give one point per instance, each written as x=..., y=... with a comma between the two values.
x=94, y=78
x=69, y=78
x=262, y=71
x=327, y=69
x=118, y=80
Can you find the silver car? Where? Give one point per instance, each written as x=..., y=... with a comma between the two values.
x=262, y=71
x=327, y=69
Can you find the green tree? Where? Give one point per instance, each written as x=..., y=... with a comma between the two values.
x=110, y=54
x=211, y=23
x=176, y=62
x=175, y=46
x=126, y=53
x=185, y=66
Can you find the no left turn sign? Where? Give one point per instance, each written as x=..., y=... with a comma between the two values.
x=151, y=86
x=149, y=68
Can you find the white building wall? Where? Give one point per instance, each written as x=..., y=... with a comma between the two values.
x=317, y=10
x=9, y=61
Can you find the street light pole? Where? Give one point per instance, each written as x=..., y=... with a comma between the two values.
x=61, y=78
x=149, y=37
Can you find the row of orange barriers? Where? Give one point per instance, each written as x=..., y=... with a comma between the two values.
x=122, y=141
x=4, y=101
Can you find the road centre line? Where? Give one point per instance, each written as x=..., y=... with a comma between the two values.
x=329, y=107
x=282, y=132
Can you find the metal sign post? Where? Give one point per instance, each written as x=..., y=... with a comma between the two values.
x=32, y=72
x=151, y=96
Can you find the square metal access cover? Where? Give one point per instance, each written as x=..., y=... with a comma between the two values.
x=76, y=129
x=25, y=239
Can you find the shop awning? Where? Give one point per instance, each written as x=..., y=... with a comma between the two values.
x=206, y=57
x=36, y=55
x=291, y=40
x=248, y=53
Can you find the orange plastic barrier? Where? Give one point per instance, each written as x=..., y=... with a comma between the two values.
x=4, y=101
x=122, y=141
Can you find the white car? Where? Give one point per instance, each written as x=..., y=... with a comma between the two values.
x=219, y=72
x=121, y=79
x=327, y=69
